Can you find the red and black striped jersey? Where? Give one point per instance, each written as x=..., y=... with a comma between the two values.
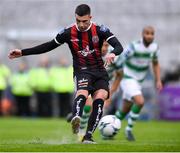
x=85, y=46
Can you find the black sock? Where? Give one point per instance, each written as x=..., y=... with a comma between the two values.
x=95, y=117
x=78, y=105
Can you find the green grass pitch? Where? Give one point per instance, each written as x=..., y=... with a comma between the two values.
x=55, y=135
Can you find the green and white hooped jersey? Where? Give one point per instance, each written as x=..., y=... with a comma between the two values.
x=137, y=59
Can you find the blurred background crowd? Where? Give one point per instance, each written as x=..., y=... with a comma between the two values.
x=42, y=91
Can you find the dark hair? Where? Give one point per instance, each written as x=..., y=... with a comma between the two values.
x=82, y=10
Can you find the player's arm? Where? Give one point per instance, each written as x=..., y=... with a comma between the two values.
x=106, y=35
x=43, y=48
x=127, y=53
x=118, y=49
x=157, y=74
x=116, y=82
x=114, y=42
x=156, y=70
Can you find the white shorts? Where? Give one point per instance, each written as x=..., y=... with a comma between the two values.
x=130, y=88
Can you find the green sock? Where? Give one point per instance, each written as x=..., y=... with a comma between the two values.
x=87, y=108
x=121, y=115
x=136, y=109
x=133, y=116
x=85, y=117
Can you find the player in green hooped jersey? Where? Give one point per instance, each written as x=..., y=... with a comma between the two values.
x=136, y=59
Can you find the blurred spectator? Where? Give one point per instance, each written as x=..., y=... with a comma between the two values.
x=62, y=84
x=8, y=102
x=4, y=74
x=40, y=81
x=172, y=76
x=21, y=89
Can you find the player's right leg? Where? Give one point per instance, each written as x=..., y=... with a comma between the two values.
x=133, y=116
x=78, y=106
x=121, y=114
x=131, y=92
x=127, y=86
x=83, y=83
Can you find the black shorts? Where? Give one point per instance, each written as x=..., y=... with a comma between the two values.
x=92, y=80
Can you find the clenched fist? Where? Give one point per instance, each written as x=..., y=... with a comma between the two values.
x=15, y=53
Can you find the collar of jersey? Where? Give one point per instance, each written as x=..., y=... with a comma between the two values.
x=86, y=29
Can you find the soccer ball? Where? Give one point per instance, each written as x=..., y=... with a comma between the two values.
x=108, y=126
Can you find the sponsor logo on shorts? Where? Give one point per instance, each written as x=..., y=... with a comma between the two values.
x=83, y=82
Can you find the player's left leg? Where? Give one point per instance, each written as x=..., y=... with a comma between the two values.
x=133, y=115
x=131, y=92
x=83, y=85
x=97, y=110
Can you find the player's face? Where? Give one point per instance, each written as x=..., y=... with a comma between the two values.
x=148, y=35
x=83, y=22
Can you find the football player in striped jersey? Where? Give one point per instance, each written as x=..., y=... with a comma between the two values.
x=136, y=59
